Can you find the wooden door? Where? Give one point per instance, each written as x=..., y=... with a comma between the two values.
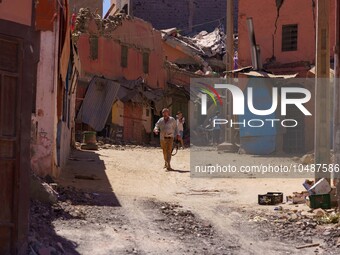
x=10, y=100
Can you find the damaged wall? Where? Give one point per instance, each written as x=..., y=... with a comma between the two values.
x=177, y=56
x=139, y=37
x=289, y=13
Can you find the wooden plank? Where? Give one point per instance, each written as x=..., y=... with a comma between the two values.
x=322, y=98
x=307, y=246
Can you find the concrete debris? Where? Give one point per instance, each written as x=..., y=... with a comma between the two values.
x=42, y=191
x=299, y=225
x=190, y=227
x=319, y=212
x=208, y=44
x=307, y=159
x=105, y=143
x=206, y=49
x=211, y=43
x=326, y=233
x=104, y=26
x=298, y=197
x=70, y=206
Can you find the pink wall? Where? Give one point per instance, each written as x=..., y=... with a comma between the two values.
x=44, y=121
x=264, y=15
x=19, y=11
x=139, y=36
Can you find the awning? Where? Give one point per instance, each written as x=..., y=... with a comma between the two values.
x=98, y=102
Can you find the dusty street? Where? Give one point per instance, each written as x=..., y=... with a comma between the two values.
x=121, y=201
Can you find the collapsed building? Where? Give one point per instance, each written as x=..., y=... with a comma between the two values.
x=130, y=71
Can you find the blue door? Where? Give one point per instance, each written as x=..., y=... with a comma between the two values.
x=258, y=140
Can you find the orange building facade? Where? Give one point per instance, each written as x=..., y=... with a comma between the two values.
x=286, y=35
x=137, y=40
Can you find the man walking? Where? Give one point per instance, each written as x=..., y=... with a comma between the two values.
x=167, y=127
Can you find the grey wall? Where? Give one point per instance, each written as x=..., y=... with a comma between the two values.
x=164, y=14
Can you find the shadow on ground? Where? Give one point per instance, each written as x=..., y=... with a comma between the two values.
x=83, y=185
x=43, y=238
x=178, y=171
x=84, y=181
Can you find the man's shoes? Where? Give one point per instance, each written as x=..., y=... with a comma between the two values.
x=166, y=165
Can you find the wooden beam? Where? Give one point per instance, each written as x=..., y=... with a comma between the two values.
x=336, y=119
x=322, y=95
x=109, y=11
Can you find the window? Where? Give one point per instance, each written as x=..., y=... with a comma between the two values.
x=124, y=56
x=289, y=37
x=94, y=47
x=145, y=62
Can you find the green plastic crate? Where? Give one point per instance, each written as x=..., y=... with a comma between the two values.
x=320, y=201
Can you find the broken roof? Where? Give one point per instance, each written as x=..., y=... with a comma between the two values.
x=204, y=43
x=249, y=71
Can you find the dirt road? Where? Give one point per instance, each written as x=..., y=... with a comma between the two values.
x=133, y=206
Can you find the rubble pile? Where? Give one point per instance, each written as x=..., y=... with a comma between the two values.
x=107, y=143
x=204, y=43
x=112, y=22
x=210, y=43
x=303, y=226
x=71, y=194
x=309, y=158
x=42, y=237
x=82, y=20
x=184, y=222
x=104, y=26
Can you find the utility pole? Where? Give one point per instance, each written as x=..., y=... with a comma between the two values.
x=229, y=65
x=336, y=120
x=322, y=95
x=191, y=15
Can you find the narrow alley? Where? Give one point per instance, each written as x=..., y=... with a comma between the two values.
x=156, y=127
x=119, y=200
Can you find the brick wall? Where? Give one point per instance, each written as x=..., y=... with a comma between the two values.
x=162, y=14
